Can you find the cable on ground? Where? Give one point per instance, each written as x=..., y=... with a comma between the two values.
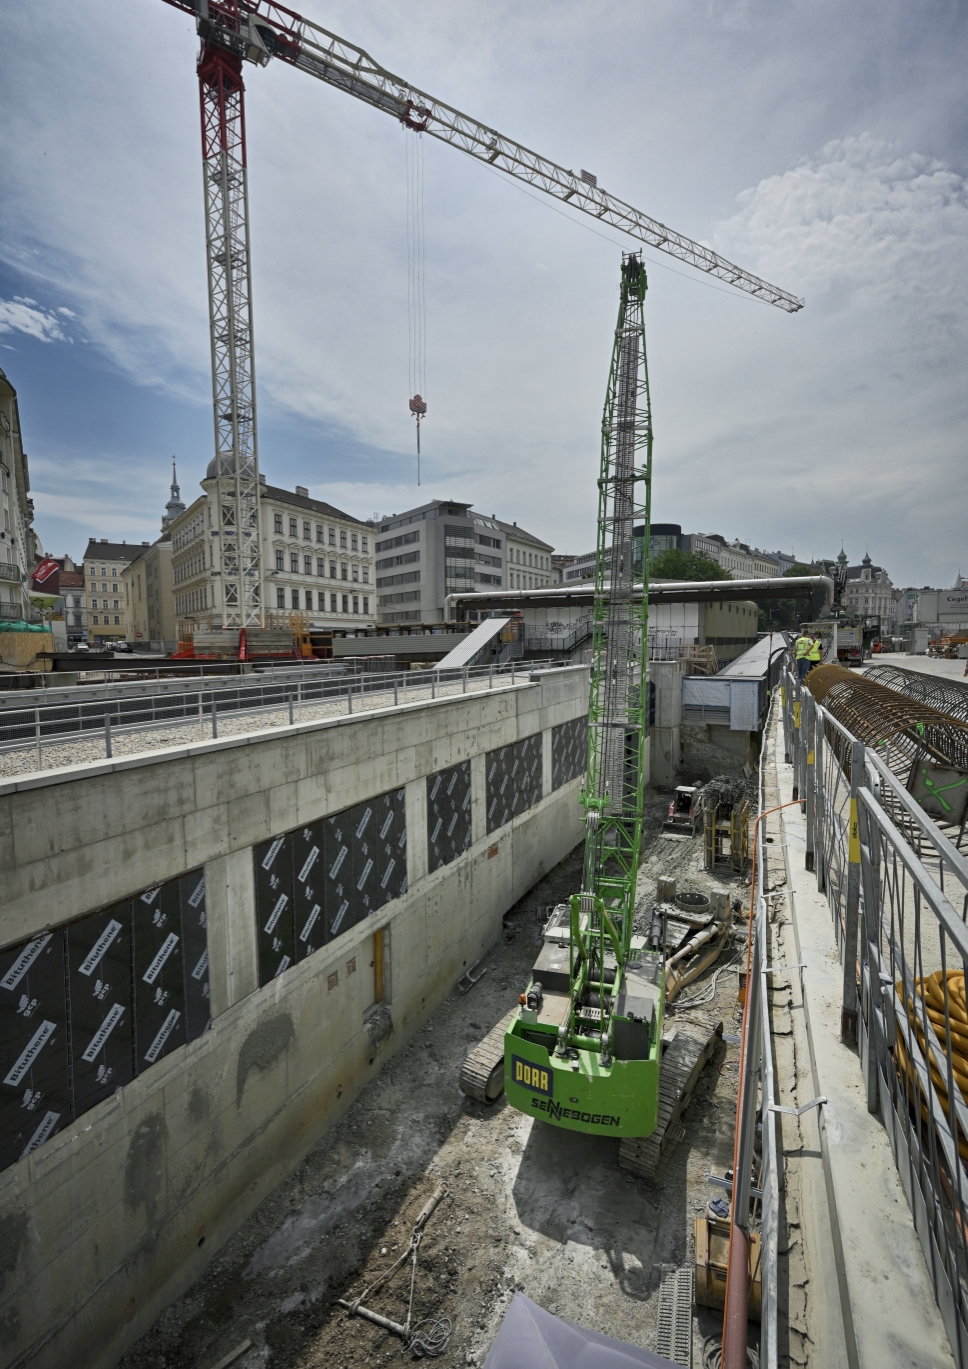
x=712, y=1354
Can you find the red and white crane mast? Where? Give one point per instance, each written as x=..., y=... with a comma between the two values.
x=222, y=96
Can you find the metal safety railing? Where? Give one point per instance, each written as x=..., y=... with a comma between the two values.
x=285, y=699
x=897, y=889
x=565, y=640
x=756, y=1169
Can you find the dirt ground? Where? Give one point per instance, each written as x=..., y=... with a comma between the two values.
x=529, y=1207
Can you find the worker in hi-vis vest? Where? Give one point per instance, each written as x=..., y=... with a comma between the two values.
x=814, y=654
x=803, y=645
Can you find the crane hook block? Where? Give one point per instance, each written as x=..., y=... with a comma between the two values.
x=416, y=117
x=418, y=406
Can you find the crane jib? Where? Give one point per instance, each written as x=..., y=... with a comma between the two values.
x=265, y=29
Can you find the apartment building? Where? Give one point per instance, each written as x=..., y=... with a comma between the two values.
x=574, y=569
x=444, y=547
x=741, y=560
x=17, y=541
x=529, y=563
x=868, y=591
x=72, y=590
x=315, y=560
x=104, y=563
x=149, y=601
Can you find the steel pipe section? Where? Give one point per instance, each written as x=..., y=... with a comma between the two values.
x=660, y=592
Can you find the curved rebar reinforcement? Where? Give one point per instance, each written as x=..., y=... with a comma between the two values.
x=881, y=717
x=947, y=696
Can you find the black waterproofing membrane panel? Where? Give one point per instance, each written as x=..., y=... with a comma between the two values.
x=448, y=814
x=317, y=881
x=87, y=1007
x=159, y=981
x=513, y=775
x=569, y=747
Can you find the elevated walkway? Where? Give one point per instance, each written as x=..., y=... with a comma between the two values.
x=887, y=1304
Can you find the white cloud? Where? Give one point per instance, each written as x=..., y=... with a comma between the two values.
x=23, y=315
x=846, y=419
x=864, y=223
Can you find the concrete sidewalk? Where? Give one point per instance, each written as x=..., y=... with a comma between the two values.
x=890, y=1317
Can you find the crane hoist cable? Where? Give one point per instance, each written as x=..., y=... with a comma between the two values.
x=416, y=289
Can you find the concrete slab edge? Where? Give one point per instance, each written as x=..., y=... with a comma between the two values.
x=40, y=779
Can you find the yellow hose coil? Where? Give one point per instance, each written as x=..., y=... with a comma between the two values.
x=930, y=992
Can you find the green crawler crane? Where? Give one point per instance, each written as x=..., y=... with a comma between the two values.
x=584, y=1049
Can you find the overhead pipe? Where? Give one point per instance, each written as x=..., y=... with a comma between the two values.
x=660, y=592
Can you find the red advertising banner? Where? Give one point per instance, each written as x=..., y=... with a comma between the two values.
x=45, y=570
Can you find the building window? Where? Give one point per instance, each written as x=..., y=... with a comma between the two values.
x=294, y=562
x=293, y=527
x=280, y=560
x=277, y=522
x=342, y=537
x=309, y=598
x=366, y=604
x=332, y=603
x=117, y=605
x=354, y=540
x=319, y=532
x=332, y=537
x=366, y=575
x=280, y=598
x=332, y=570
x=365, y=544
x=94, y=620
x=295, y=598
x=307, y=532
x=344, y=571
x=320, y=566
x=117, y=620
x=346, y=603
x=307, y=565
x=356, y=604
x=356, y=572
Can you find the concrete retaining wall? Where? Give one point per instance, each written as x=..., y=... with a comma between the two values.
x=114, y=1217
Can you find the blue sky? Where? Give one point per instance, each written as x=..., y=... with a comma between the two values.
x=823, y=147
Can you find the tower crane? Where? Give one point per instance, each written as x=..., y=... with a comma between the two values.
x=234, y=32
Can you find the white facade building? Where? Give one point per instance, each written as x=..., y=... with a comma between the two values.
x=17, y=541
x=316, y=561
x=869, y=592
x=528, y=564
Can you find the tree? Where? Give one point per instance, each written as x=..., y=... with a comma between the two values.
x=685, y=565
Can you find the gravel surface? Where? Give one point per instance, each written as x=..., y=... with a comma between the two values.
x=530, y=1207
x=55, y=755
